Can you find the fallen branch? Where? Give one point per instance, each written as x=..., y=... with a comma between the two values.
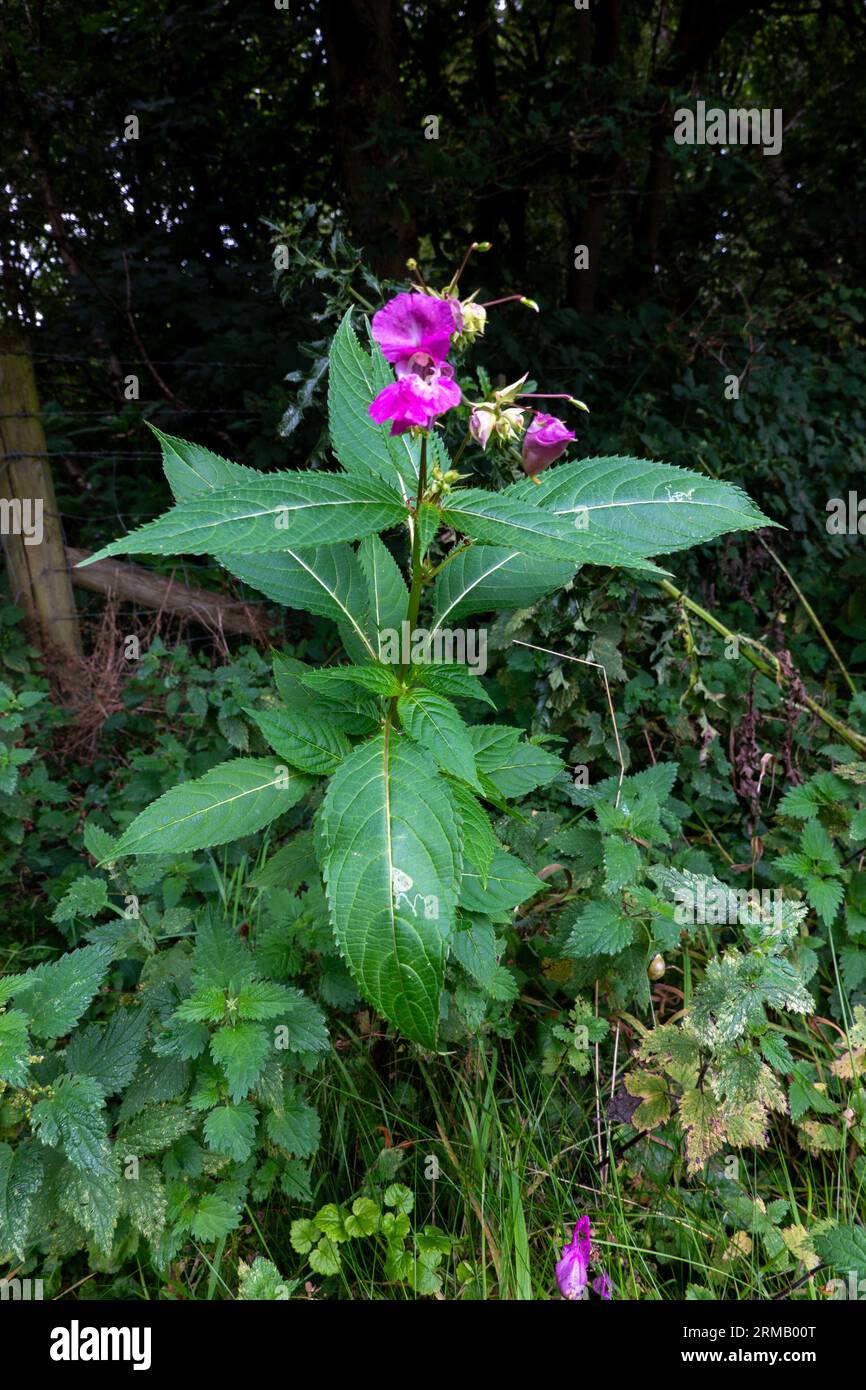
x=139, y=586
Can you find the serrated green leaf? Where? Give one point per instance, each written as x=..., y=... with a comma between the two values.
x=110, y=1054
x=296, y=1127
x=231, y=1130
x=215, y=1217
x=643, y=507
x=143, y=1200
x=433, y=722
x=387, y=595
x=502, y=520
x=844, y=1248
x=73, y=1118
x=487, y=578
x=306, y=741
x=14, y=1048
x=20, y=1180
x=86, y=896
x=509, y=883
x=513, y=764
x=155, y=1128
x=241, y=1050
x=58, y=992
x=392, y=867
x=235, y=799
x=600, y=929
x=275, y=512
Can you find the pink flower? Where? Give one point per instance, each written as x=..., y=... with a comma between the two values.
x=413, y=324
x=572, y=1270
x=481, y=423
x=545, y=440
x=416, y=400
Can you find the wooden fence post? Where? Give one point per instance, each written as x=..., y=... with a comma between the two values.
x=30, y=524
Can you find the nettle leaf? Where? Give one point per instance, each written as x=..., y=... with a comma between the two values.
x=235, y=799
x=295, y=1127
x=157, y=1127
x=622, y=861
x=241, y=1050
x=473, y=946
x=500, y=519
x=110, y=1054
x=643, y=507
x=20, y=1180
x=844, y=1248
x=600, y=929
x=143, y=1200
x=274, y=513
x=73, y=1117
x=87, y=896
x=387, y=595
x=14, y=1048
x=302, y=1026
x=57, y=993
x=435, y=723
x=488, y=578
x=306, y=741
x=514, y=765
x=231, y=1130
x=392, y=865
x=508, y=884
x=215, y=1216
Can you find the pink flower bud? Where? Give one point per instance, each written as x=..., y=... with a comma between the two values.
x=544, y=442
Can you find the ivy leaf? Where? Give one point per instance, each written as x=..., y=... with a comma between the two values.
x=306, y=741
x=234, y=799
x=392, y=866
x=433, y=721
x=642, y=507
x=231, y=1130
x=274, y=512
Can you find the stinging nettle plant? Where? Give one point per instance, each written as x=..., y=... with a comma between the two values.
x=403, y=833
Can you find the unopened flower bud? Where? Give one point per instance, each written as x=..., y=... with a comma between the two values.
x=481, y=423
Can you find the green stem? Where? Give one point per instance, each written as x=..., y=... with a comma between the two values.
x=770, y=667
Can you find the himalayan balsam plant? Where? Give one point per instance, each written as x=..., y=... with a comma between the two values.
x=390, y=545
